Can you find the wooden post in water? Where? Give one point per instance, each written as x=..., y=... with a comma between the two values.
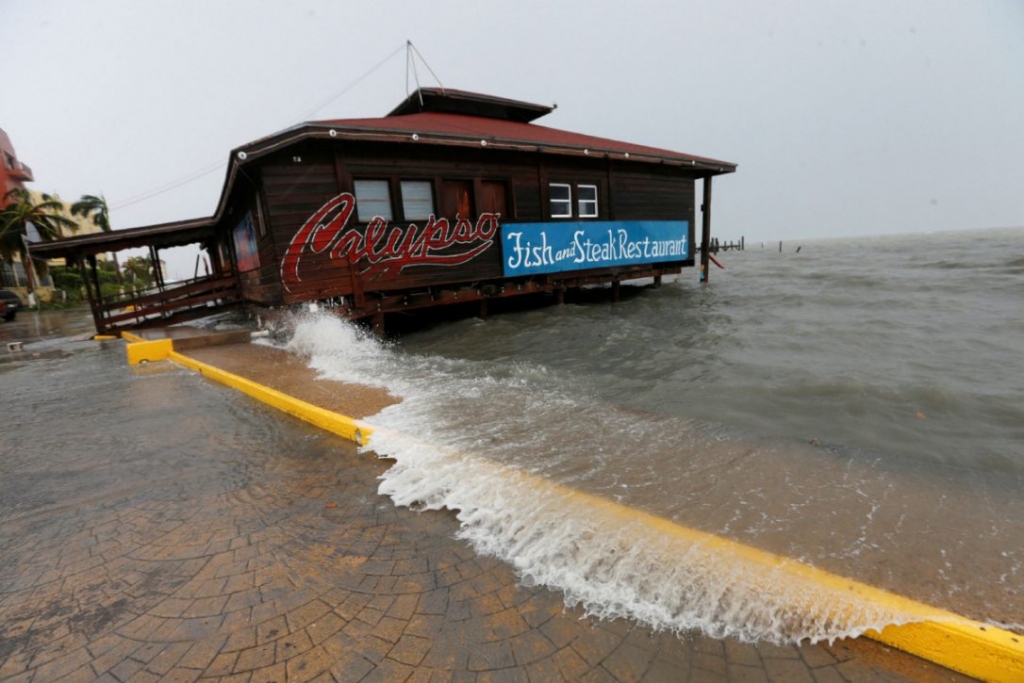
x=706, y=230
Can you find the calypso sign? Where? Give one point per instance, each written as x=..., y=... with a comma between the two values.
x=385, y=248
x=528, y=248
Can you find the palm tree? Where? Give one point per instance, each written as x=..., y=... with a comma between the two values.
x=138, y=270
x=19, y=211
x=95, y=206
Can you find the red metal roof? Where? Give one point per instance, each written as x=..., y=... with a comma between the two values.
x=434, y=127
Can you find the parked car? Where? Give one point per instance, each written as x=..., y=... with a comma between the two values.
x=9, y=304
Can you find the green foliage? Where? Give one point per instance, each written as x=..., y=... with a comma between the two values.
x=137, y=273
x=68, y=280
x=91, y=205
x=110, y=290
x=72, y=281
x=59, y=305
x=106, y=273
x=21, y=210
x=96, y=207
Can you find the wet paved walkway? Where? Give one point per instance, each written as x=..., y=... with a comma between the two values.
x=216, y=567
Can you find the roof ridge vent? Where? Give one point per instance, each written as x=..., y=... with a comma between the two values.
x=449, y=101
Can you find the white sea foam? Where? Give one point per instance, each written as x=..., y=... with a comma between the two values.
x=454, y=439
x=614, y=564
x=336, y=348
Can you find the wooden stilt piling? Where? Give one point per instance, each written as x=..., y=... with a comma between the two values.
x=706, y=230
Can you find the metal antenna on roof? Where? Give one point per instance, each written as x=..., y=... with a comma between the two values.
x=410, y=62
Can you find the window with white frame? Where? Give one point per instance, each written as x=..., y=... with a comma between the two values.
x=587, y=200
x=373, y=198
x=417, y=200
x=561, y=200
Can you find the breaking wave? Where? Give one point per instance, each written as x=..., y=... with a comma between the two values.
x=523, y=463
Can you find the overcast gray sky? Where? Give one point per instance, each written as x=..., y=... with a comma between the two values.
x=846, y=118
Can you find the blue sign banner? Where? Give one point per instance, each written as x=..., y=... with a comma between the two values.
x=537, y=248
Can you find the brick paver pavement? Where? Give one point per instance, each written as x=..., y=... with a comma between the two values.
x=219, y=565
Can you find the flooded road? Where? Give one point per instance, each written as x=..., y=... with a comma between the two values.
x=154, y=524
x=38, y=327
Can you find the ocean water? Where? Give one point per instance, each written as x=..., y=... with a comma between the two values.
x=857, y=406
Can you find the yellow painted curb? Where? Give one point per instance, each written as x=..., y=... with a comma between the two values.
x=955, y=642
x=342, y=425
x=970, y=647
x=958, y=643
x=140, y=349
x=147, y=351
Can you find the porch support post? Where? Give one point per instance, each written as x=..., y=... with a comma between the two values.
x=92, y=291
x=706, y=231
x=158, y=275
x=378, y=324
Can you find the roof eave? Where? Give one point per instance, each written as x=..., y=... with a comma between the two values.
x=175, y=233
x=254, y=151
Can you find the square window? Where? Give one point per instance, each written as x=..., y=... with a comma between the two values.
x=587, y=200
x=373, y=199
x=561, y=200
x=417, y=200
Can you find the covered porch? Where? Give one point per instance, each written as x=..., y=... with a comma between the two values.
x=164, y=302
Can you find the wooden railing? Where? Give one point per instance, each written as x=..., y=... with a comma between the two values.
x=180, y=301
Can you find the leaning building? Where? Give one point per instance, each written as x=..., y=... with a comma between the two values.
x=453, y=197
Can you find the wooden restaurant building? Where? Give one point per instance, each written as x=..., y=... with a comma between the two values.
x=453, y=197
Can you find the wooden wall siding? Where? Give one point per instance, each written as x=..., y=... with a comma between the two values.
x=526, y=198
x=492, y=196
x=258, y=285
x=295, y=189
x=641, y=196
x=268, y=289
